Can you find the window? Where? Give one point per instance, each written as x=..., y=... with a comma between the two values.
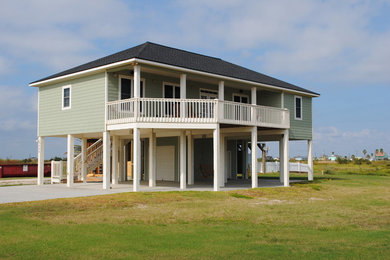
x=126, y=87
x=208, y=94
x=171, y=90
x=298, y=107
x=241, y=98
x=66, y=97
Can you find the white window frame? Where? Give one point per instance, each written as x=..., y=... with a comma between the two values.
x=131, y=78
x=241, y=95
x=70, y=97
x=295, y=108
x=172, y=84
x=210, y=90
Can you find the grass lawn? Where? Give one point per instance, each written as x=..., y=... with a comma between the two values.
x=340, y=215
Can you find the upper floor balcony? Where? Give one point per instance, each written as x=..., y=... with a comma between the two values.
x=168, y=110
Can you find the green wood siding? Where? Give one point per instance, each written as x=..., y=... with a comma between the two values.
x=268, y=98
x=86, y=114
x=299, y=129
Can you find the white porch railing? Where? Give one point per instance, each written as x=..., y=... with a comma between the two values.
x=164, y=110
x=275, y=167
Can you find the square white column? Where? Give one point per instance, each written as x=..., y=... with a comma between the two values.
x=281, y=159
x=106, y=160
x=136, y=158
x=222, y=161
x=70, y=161
x=216, y=152
x=286, y=157
x=114, y=164
x=190, y=159
x=183, y=160
x=84, y=160
x=152, y=160
x=137, y=89
x=310, y=159
x=255, y=180
x=41, y=160
x=121, y=161
x=221, y=90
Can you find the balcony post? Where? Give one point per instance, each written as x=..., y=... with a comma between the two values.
x=70, y=161
x=221, y=97
x=41, y=160
x=254, y=103
x=137, y=89
x=183, y=94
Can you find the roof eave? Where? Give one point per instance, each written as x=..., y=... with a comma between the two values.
x=159, y=64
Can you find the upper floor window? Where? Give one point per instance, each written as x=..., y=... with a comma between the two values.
x=171, y=90
x=66, y=97
x=240, y=98
x=298, y=107
x=126, y=87
x=208, y=94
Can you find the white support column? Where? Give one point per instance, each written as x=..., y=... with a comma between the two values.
x=137, y=88
x=84, y=160
x=183, y=94
x=70, y=161
x=121, y=160
x=286, y=159
x=190, y=159
x=152, y=160
x=136, y=159
x=216, y=151
x=245, y=159
x=183, y=160
x=254, y=102
x=282, y=100
x=222, y=161
x=114, y=163
x=221, y=90
x=41, y=159
x=226, y=161
x=310, y=159
x=255, y=180
x=281, y=159
x=106, y=160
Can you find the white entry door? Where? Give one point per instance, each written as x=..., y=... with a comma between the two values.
x=165, y=163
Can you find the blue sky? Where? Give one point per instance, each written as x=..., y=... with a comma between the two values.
x=340, y=49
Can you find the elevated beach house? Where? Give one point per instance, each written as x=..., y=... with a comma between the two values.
x=153, y=113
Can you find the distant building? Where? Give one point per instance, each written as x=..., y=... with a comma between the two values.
x=332, y=157
x=379, y=156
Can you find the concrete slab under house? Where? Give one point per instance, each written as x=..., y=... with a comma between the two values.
x=159, y=115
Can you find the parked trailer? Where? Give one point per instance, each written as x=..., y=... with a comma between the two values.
x=22, y=170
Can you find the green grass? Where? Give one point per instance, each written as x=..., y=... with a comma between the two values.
x=338, y=216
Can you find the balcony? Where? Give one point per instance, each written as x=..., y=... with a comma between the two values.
x=163, y=110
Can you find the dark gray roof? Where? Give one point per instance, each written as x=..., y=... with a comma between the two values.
x=189, y=60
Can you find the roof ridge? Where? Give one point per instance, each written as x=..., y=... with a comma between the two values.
x=174, y=48
x=142, y=48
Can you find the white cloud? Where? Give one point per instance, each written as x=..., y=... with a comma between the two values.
x=60, y=33
x=18, y=109
x=332, y=139
x=333, y=39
